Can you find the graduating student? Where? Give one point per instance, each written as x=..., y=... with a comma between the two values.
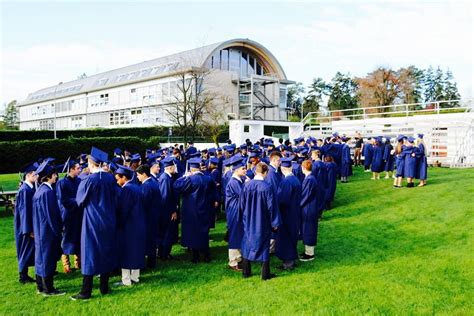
x=274, y=178
x=399, y=162
x=71, y=214
x=216, y=177
x=260, y=217
x=409, y=154
x=377, y=159
x=23, y=222
x=388, y=158
x=311, y=193
x=168, y=219
x=47, y=227
x=155, y=166
x=152, y=206
x=289, y=198
x=97, y=196
x=198, y=196
x=233, y=212
x=331, y=169
x=422, y=166
x=368, y=152
x=320, y=172
x=130, y=227
x=345, y=160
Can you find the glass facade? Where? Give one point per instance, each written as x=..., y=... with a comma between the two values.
x=237, y=60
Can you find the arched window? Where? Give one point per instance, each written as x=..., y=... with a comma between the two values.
x=238, y=60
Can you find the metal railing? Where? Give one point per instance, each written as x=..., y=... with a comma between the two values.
x=393, y=110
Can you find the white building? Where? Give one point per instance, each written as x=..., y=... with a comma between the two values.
x=241, y=71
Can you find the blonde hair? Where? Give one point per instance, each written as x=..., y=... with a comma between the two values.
x=420, y=141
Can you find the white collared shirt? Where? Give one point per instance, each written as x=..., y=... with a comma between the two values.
x=48, y=184
x=236, y=177
x=258, y=177
x=29, y=184
x=146, y=180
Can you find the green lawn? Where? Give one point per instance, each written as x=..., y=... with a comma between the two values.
x=381, y=251
x=9, y=182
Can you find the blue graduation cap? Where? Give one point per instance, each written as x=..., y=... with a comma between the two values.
x=194, y=162
x=400, y=138
x=98, y=156
x=421, y=136
x=168, y=161
x=411, y=139
x=29, y=167
x=113, y=166
x=230, y=149
x=286, y=162
x=125, y=171
x=214, y=160
x=212, y=151
x=117, y=151
x=243, y=146
x=44, y=169
x=298, y=140
x=335, y=134
x=237, y=162
x=152, y=159
x=195, y=154
x=135, y=158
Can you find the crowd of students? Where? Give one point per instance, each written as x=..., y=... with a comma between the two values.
x=407, y=159
x=120, y=214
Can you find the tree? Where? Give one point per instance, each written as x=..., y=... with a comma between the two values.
x=410, y=82
x=342, y=92
x=314, y=99
x=450, y=90
x=10, y=118
x=213, y=117
x=294, y=98
x=82, y=76
x=380, y=87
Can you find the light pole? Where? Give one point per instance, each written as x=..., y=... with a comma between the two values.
x=54, y=122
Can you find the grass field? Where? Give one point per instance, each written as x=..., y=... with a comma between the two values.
x=381, y=251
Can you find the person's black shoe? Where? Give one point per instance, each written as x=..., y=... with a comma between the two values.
x=54, y=292
x=306, y=257
x=207, y=258
x=26, y=279
x=268, y=277
x=286, y=268
x=79, y=296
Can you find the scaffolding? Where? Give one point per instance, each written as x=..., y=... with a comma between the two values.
x=257, y=94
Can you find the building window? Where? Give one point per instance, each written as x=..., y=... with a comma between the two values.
x=246, y=128
x=133, y=90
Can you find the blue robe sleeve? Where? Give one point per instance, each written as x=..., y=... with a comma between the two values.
x=182, y=185
x=123, y=207
x=25, y=203
x=282, y=195
x=273, y=208
x=82, y=194
x=68, y=202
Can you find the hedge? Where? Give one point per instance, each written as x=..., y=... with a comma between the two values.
x=141, y=132
x=17, y=154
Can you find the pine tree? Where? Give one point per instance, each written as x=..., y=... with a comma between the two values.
x=343, y=92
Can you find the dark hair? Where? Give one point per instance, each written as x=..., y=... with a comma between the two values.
x=261, y=168
x=47, y=177
x=143, y=169
x=328, y=159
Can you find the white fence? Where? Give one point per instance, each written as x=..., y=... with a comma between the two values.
x=448, y=131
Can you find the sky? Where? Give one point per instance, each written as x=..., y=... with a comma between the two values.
x=43, y=43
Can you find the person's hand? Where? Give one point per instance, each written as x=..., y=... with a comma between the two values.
x=413, y=155
x=216, y=204
x=32, y=235
x=187, y=174
x=174, y=216
x=274, y=229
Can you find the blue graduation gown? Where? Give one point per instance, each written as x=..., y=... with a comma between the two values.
x=377, y=158
x=215, y=176
x=296, y=169
x=259, y=214
x=320, y=172
x=167, y=229
x=331, y=181
x=400, y=163
x=198, y=196
x=273, y=178
x=151, y=205
x=47, y=228
x=131, y=229
x=233, y=212
x=25, y=245
x=289, y=199
x=368, y=152
x=345, y=160
x=422, y=165
x=97, y=195
x=71, y=214
x=388, y=157
x=409, y=161
x=309, y=204
x=335, y=150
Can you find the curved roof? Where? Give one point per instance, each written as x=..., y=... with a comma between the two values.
x=154, y=68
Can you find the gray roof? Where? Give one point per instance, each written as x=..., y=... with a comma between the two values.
x=138, y=72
